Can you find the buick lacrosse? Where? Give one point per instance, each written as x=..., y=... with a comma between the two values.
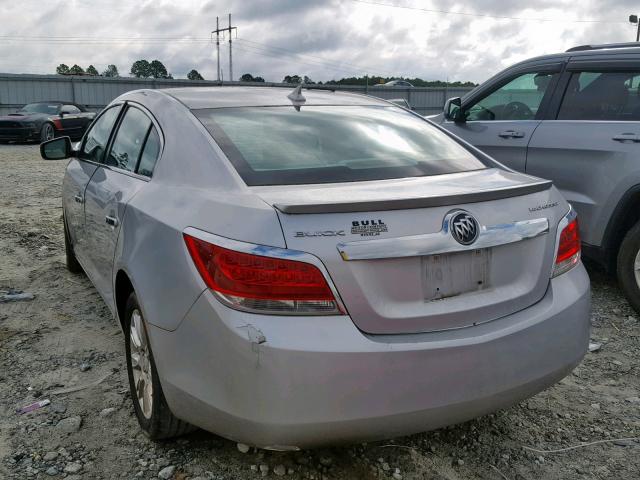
x=292, y=269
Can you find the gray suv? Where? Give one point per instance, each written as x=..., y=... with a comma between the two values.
x=574, y=118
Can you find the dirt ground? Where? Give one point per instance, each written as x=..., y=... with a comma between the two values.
x=65, y=337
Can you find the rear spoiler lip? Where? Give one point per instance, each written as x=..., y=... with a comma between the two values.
x=417, y=202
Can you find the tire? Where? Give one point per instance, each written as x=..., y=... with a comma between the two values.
x=628, y=266
x=72, y=262
x=47, y=132
x=154, y=416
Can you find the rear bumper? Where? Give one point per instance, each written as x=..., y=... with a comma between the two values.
x=319, y=380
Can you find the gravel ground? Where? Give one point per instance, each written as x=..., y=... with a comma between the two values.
x=65, y=337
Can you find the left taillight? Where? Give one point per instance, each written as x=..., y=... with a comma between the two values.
x=568, y=249
x=262, y=284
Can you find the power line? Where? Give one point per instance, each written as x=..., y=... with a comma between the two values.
x=485, y=15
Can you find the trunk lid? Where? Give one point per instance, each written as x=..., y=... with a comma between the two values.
x=389, y=250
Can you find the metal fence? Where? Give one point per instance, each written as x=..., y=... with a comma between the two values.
x=17, y=90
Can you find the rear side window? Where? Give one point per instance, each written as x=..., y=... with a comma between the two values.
x=602, y=96
x=127, y=145
x=97, y=137
x=325, y=144
x=150, y=153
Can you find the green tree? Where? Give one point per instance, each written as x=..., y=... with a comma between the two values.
x=258, y=79
x=141, y=69
x=291, y=79
x=247, y=77
x=194, y=75
x=111, y=71
x=91, y=70
x=158, y=70
x=76, y=70
x=62, y=69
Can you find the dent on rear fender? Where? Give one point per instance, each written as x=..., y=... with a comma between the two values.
x=155, y=259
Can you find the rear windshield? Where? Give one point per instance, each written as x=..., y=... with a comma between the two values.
x=327, y=144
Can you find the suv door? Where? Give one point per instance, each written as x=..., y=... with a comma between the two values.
x=500, y=118
x=124, y=170
x=79, y=172
x=590, y=146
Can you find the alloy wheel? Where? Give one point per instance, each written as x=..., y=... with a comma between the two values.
x=636, y=268
x=141, y=364
x=48, y=132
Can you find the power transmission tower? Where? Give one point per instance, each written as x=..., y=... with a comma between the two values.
x=217, y=31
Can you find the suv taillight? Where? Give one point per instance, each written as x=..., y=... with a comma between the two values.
x=568, y=254
x=262, y=284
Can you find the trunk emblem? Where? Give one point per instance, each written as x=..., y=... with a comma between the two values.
x=464, y=228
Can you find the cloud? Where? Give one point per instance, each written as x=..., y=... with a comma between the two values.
x=321, y=39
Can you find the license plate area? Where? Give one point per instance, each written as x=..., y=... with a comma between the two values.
x=452, y=274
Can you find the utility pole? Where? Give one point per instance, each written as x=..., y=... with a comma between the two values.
x=218, y=46
x=634, y=19
x=217, y=31
x=230, y=52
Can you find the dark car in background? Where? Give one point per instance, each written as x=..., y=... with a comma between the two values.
x=45, y=120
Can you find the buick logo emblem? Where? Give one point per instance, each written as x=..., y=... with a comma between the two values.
x=464, y=228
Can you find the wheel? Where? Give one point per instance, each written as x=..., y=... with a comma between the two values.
x=629, y=266
x=72, y=262
x=47, y=132
x=154, y=416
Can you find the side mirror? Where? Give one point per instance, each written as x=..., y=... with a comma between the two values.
x=453, y=109
x=56, y=149
x=64, y=112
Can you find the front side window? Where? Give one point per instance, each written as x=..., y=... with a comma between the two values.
x=325, y=144
x=70, y=109
x=129, y=140
x=97, y=137
x=519, y=99
x=602, y=96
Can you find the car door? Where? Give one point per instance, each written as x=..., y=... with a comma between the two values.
x=500, y=118
x=113, y=184
x=71, y=120
x=591, y=145
x=79, y=171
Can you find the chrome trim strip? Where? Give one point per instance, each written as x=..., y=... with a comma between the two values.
x=408, y=203
x=268, y=251
x=442, y=241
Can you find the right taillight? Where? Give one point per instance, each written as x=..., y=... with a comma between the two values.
x=262, y=284
x=568, y=253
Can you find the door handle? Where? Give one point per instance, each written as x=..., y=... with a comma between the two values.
x=626, y=137
x=113, y=221
x=78, y=198
x=511, y=134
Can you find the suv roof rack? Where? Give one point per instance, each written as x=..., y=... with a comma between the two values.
x=582, y=48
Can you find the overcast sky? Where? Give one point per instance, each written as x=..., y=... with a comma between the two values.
x=322, y=39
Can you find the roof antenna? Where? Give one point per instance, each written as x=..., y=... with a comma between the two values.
x=296, y=97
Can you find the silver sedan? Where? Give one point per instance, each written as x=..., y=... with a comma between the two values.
x=296, y=269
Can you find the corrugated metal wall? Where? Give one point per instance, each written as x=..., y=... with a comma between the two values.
x=96, y=92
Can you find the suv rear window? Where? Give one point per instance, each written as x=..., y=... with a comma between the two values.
x=326, y=144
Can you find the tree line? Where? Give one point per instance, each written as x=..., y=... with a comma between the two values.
x=139, y=69
x=156, y=69
x=365, y=80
